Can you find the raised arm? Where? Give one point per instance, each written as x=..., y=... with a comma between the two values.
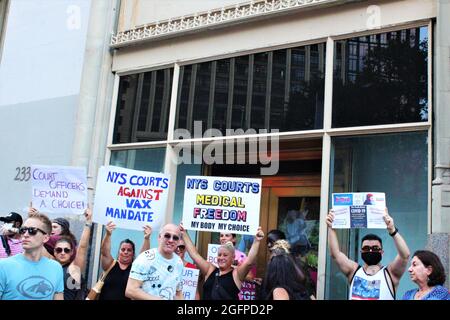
x=398, y=266
x=204, y=266
x=147, y=234
x=105, y=250
x=347, y=266
x=244, y=268
x=80, y=258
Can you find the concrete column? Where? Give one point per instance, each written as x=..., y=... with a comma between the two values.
x=92, y=119
x=440, y=228
x=94, y=107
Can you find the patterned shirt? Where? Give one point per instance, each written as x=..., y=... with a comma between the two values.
x=161, y=277
x=437, y=293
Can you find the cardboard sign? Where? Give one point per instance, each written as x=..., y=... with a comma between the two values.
x=222, y=204
x=130, y=198
x=359, y=210
x=190, y=282
x=213, y=250
x=59, y=189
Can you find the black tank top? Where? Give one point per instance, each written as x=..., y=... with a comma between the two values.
x=115, y=284
x=220, y=287
x=72, y=289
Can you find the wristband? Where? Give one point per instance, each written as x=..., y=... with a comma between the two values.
x=394, y=233
x=88, y=224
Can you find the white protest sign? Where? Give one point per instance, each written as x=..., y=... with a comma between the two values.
x=59, y=189
x=213, y=250
x=222, y=204
x=130, y=198
x=359, y=210
x=190, y=282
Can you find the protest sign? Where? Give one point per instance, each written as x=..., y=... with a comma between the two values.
x=213, y=250
x=222, y=204
x=190, y=282
x=59, y=189
x=248, y=291
x=359, y=210
x=130, y=198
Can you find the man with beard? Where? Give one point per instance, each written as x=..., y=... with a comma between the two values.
x=372, y=281
x=156, y=274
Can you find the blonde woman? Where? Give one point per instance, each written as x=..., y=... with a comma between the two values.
x=223, y=282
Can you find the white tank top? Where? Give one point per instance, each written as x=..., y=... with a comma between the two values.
x=371, y=287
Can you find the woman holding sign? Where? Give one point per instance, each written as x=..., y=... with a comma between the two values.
x=73, y=269
x=223, y=282
x=117, y=278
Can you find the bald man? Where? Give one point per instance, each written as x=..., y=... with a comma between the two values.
x=156, y=274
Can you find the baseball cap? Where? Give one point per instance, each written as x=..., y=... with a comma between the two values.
x=12, y=216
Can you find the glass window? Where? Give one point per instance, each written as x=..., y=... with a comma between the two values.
x=139, y=159
x=396, y=164
x=381, y=79
x=280, y=89
x=143, y=107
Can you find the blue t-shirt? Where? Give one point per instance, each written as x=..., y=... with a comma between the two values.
x=22, y=279
x=161, y=277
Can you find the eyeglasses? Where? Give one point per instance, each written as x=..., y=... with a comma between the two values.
x=173, y=236
x=66, y=250
x=32, y=231
x=371, y=248
x=126, y=250
x=181, y=247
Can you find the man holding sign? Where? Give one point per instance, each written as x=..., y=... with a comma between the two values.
x=372, y=281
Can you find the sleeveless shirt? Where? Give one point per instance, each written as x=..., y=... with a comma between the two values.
x=371, y=287
x=115, y=284
x=222, y=287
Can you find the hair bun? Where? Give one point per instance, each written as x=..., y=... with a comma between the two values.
x=280, y=247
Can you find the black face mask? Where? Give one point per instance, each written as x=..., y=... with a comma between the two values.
x=371, y=258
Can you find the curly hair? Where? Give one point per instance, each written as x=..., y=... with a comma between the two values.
x=280, y=247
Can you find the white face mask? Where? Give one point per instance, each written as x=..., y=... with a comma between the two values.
x=4, y=229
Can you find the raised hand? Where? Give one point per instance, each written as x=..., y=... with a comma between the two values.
x=389, y=221
x=147, y=231
x=330, y=218
x=110, y=226
x=259, y=234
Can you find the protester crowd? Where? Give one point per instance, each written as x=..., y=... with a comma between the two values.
x=41, y=259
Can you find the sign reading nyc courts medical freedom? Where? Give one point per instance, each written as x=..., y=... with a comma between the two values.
x=359, y=210
x=222, y=204
x=130, y=198
x=59, y=189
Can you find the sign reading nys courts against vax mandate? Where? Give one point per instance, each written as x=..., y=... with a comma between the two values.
x=222, y=204
x=130, y=198
x=59, y=189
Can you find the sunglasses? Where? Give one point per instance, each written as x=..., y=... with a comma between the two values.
x=66, y=250
x=181, y=247
x=32, y=231
x=126, y=250
x=174, y=237
x=371, y=248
